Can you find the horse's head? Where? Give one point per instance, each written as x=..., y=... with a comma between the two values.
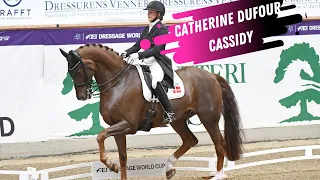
x=82, y=72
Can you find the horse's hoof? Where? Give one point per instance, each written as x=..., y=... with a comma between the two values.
x=114, y=168
x=207, y=177
x=219, y=176
x=170, y=173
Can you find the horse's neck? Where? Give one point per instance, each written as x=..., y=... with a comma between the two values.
x=108, y=69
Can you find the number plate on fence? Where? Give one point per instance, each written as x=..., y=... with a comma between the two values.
x=135, y=167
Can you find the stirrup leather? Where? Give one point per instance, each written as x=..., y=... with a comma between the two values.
x=168, y=117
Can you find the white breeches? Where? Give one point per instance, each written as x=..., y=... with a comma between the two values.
x=156, y=70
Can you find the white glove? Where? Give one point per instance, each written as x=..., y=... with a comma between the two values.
x=134, y=59
x=134, y=56
x=123, y=55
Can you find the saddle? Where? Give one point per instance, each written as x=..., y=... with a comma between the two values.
x=147, y=124
x=148, y=78
x=173, y=92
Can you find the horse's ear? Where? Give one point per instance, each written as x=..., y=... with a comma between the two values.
x=73, y=54
x=65, y=54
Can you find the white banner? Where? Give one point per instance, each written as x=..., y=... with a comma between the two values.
x=137, y=167
x=22, y=97
x=251, y=77
x=22, y=12
x=276, y=87
x=43, y=12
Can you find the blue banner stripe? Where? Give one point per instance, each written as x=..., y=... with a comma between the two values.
x=107, y=35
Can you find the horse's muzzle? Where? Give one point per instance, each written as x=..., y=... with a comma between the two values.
x=82, y=98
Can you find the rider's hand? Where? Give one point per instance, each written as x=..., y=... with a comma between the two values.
x=124, y=54
x=134, y=56
x=134, y=59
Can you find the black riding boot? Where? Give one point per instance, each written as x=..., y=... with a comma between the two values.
x=164, y=100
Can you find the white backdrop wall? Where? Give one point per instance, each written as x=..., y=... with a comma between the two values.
x=43, y=12
x=40, y=100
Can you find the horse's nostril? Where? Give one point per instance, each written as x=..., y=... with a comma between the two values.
x=81, y=98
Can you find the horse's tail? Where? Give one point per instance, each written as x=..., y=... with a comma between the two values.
x=232, y=124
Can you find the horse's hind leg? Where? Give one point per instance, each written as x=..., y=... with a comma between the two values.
x=188, y=139
x=211, y=122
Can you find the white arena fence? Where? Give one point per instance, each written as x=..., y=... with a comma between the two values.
x=157, y=166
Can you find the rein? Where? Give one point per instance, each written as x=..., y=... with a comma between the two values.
x=88, y=83
x=121, y=73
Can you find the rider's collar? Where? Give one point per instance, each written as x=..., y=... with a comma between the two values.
x=152, y=24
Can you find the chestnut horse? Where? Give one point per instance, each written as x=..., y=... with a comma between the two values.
x=206, y=95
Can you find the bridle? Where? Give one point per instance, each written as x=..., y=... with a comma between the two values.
x=88, y=83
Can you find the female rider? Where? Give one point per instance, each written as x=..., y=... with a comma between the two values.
x=160, y=65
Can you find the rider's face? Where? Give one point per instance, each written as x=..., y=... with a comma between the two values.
x=152, y=15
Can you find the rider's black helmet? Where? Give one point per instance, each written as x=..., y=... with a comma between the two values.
x=156, y=6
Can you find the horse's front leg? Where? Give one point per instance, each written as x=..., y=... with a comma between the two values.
x=122, y=150
x=121, y=128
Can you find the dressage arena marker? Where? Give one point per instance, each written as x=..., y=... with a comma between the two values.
x=157, y=166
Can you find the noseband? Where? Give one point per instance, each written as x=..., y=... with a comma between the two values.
x=89, y=82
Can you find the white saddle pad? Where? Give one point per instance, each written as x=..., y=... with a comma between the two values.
x=175, y=93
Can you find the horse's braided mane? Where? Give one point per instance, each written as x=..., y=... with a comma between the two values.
x=99, y=45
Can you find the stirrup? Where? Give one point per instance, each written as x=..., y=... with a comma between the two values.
x=168, y=117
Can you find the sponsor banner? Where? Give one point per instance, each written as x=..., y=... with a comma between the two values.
x=30, y=12
x=44, y=12
x=135, y=168
x=306, y=8
x=107, y=35
x=80, y=11
x=277, y=87
x=21, y=37
x=304, y=28
x=92, y=35
x=21, y=12
x=70, y=36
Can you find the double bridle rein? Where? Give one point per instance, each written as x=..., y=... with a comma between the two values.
x=89, y=82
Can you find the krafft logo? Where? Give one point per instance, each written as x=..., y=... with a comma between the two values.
x=13, y=10
x=12, y=3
